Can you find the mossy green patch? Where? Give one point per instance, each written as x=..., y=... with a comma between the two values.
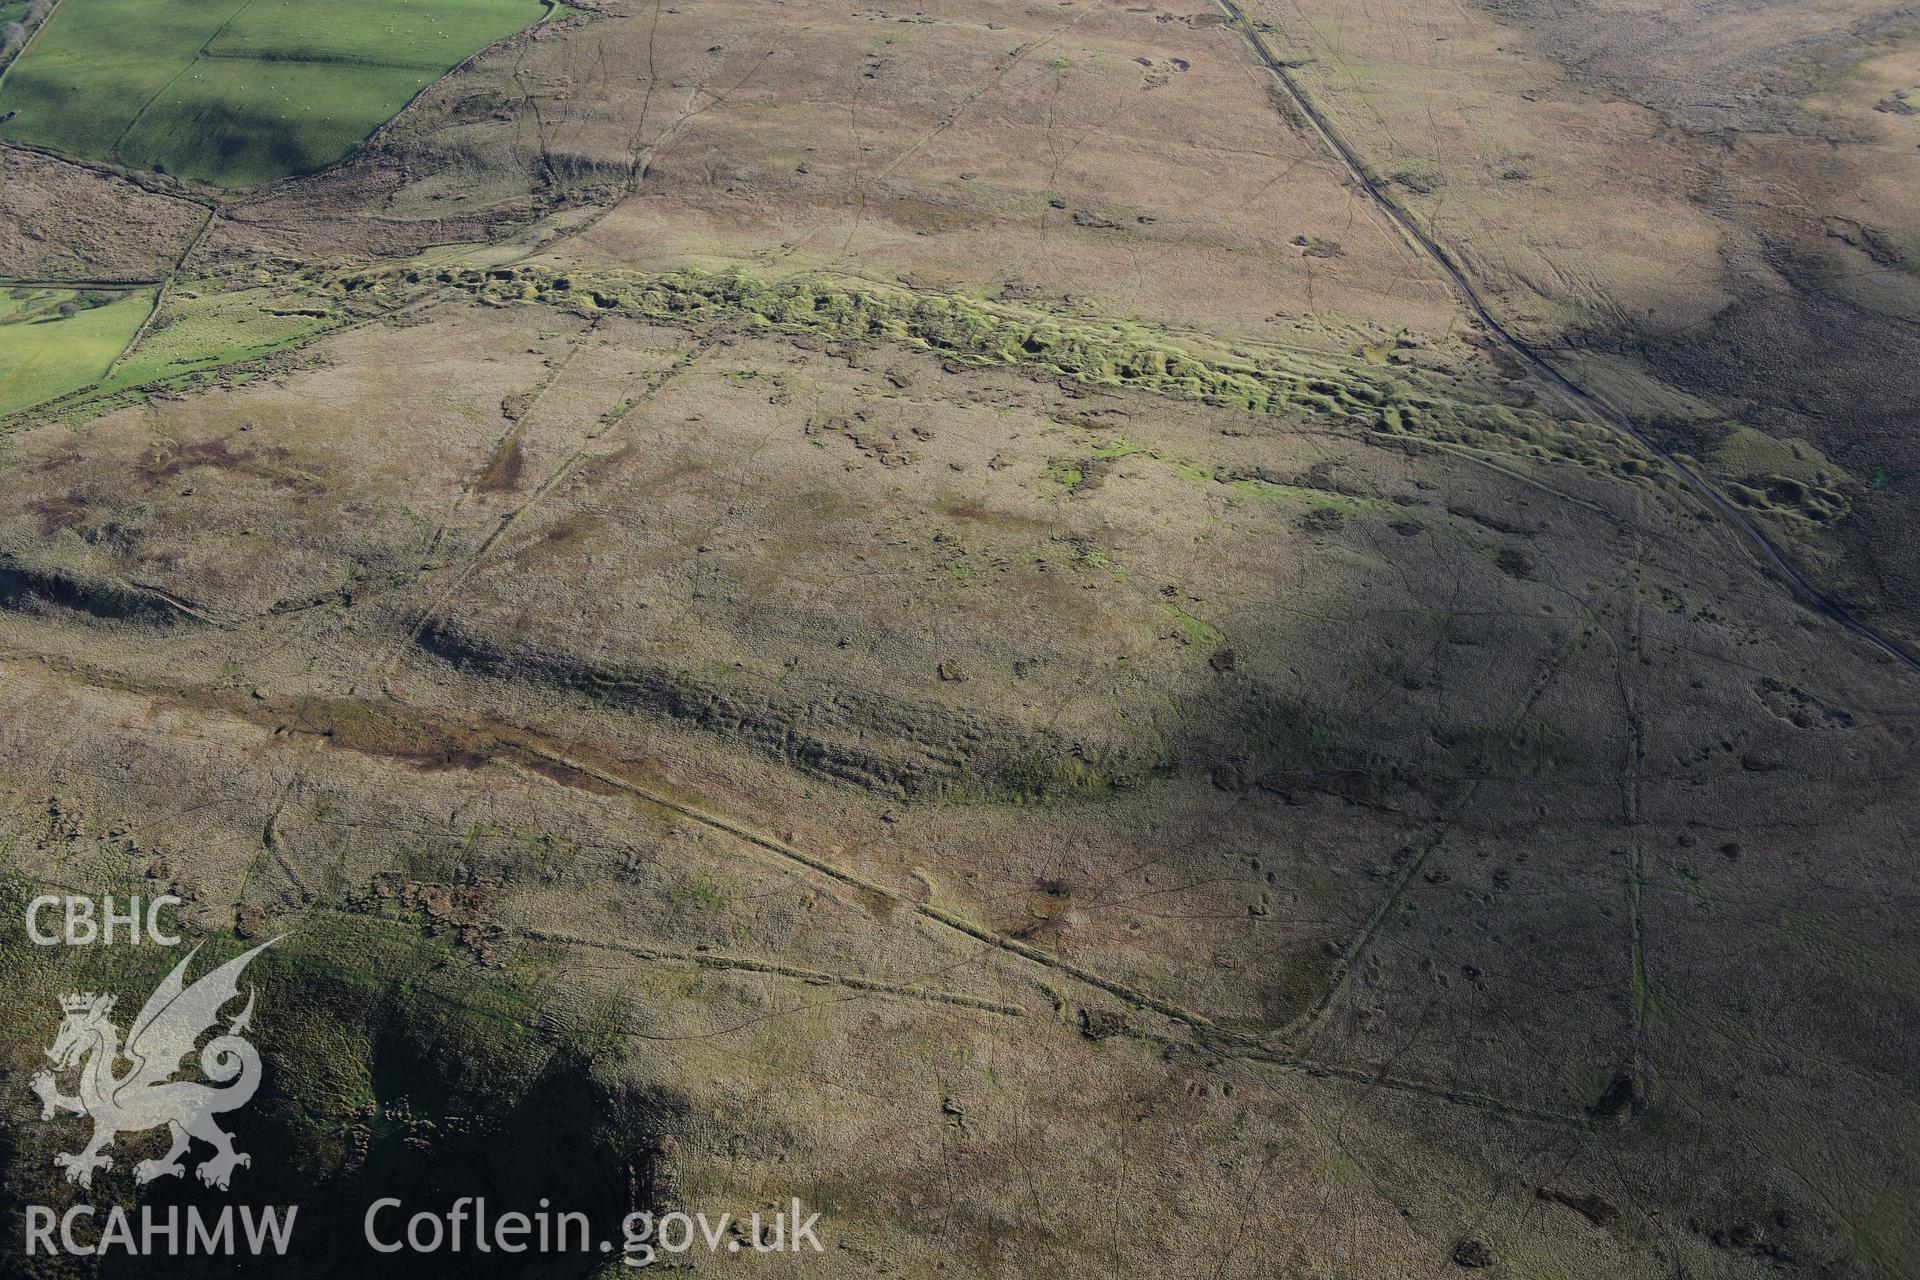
x=1104, y=448
x=1200, y=631
x=1064, y=474
x=1113, y=449
x=1297, y=495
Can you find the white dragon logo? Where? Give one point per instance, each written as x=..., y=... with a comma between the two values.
x=145, y=1096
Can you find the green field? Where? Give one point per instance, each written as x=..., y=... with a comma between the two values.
x=237, y=92
x=201, y=328
x=53, y=341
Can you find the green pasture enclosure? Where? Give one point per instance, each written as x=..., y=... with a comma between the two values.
x=53, y=341
x=237, y=92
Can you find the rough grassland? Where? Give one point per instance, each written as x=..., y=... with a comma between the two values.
x=237, y=93
x=43, y=354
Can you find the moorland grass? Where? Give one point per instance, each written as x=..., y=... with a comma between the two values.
x=45, y=353
x=237, y=92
